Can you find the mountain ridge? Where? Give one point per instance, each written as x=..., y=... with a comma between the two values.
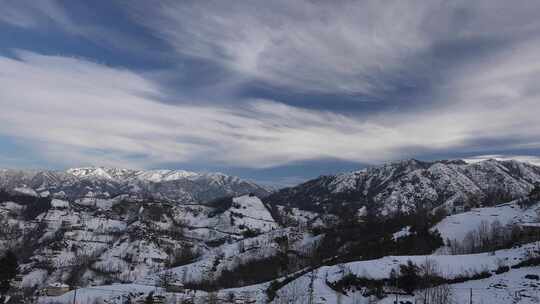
x=106, y=226
x=172, y=185
x=411, y=184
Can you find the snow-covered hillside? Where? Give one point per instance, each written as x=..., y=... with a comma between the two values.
x=99, y=182
x=456, y=227
x=513, y=286
x=409, y=185
x=121, y=234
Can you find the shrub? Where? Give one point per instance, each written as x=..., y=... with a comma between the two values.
x=502, y=269
x=220, y=205
x=533, y=261
x=372, y=286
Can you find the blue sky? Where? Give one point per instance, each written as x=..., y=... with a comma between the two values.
x=275, y=91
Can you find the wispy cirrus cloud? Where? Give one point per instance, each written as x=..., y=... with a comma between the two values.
x=75, y=111
x=31, y=14
x=52, y=16
x=346, y=47
x=474, y=73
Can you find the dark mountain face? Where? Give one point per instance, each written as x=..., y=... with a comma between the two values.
x=407, y=186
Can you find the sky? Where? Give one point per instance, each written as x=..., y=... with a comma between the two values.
x=274, y=91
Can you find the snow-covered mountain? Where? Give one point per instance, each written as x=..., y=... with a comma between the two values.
x=126, y=231
x=98, y=182
x=406, y=186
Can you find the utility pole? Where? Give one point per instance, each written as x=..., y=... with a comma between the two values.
x=397, y=281
x=470, y=296
x=74, y=296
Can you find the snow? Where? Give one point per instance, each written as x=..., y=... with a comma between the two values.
x=402, y=233
x=89, y=172
x=498, y=289
x=165, y=175
x=26, y=191
x=509, y=287
x=455, y=227
x=532, y=225
x=58, y=285
x=34, y=278
x=56, y=203
x=344, y=182
x=450, y=265
x=90, y=294
x=11, y=206
x=252, y=207
x=93, y=221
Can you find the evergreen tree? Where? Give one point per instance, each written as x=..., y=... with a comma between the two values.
x=8, y=271
x=409, y=277
x=535, y=192
x=150, y=298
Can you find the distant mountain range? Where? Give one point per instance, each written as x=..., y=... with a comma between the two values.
x=98, y=182
x=411, y=184
x=102, y=226
x=398, y=186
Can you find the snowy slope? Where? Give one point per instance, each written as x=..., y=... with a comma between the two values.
x=407, y=185
x=118, y=231
x=98, y=182
x=509, y=287
x=456, y=227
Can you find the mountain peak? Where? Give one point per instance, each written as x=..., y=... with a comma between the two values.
x=156, y=175
x=409, y=184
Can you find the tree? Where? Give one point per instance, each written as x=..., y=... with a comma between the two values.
x=294, y=292
x=535, y=192
x=442, y=294
x=429, y=277
x=149, y=298
x=409, y=277
x=166, y=278
x=212, y=298
x=311, y=287
x=393, y=277
x=8, y=271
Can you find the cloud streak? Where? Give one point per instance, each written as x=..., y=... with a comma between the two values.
x=370, y=48
x=473, y=73
x=78, y=112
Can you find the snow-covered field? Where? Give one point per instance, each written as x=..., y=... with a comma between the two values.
x=510, y=287
x=118, y=232
x=455, y=227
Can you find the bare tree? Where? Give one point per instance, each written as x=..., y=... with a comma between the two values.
x=312, y=277
x=166, y=278
x=212, y=298
x=429, y=270
x=442, y=294
x=294, y=292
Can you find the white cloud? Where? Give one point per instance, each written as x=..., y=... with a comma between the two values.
x=535, y=160
x=76, y=112
x=336, y=47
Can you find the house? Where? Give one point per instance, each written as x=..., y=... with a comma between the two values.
x=156, y=299
x=530, y=228
x=56, y=289
x=16, y=283
x=458, y=206
x=175, y=286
